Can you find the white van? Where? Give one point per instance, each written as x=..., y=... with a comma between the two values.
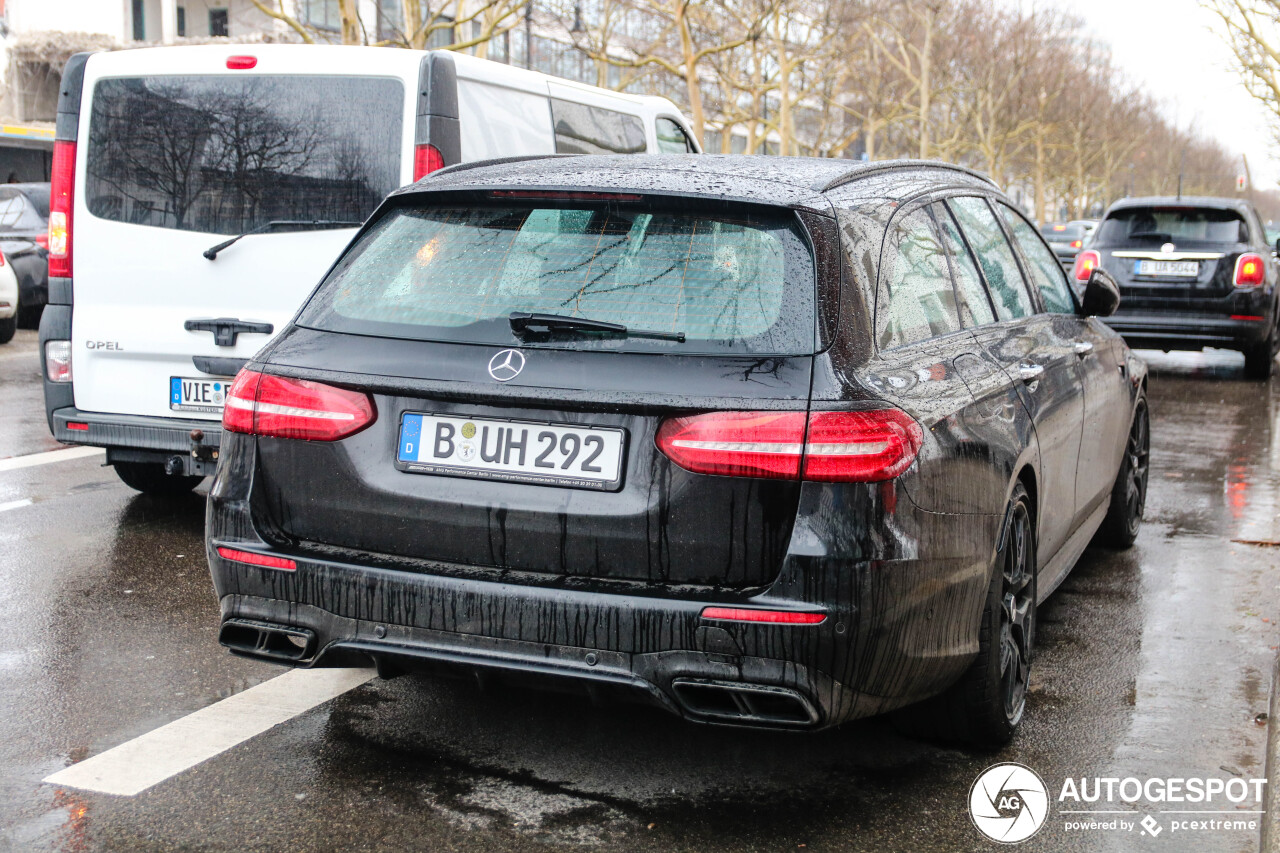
x=200, y=193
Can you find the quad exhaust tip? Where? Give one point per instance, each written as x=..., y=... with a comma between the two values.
x=737, y=703
x=267, y=640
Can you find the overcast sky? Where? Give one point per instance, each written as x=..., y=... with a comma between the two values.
x=1172, y=48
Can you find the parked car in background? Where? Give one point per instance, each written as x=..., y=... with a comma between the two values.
x=1090, y=225
x=1193, y=272
x=1066, y=239
x=8, y=301
x=771, y=443
x=24, y=239
x=251, y=166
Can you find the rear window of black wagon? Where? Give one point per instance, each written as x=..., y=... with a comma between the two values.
x=740, y=282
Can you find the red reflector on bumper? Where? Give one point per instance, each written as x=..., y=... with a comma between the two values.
x=257, y=559
x=1247, y=317
x=83, y=427
x=778, y=617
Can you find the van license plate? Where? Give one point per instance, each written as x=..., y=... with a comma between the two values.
x=1183, y=269
x=187, y=394
x=516, y=451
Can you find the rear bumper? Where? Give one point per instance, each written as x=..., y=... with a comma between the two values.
x=1188, y=332
x=901, y=623
x=136, y=438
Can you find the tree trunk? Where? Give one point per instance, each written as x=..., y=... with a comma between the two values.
x=926, y=60
x=351, y=31
x=688, y=54
x=1040, y=217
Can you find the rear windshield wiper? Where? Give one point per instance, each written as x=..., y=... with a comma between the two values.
x=523, y=321
x=212, y=251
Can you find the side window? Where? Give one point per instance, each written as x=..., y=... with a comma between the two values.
x=581, y=129
x=995, y=256
x=1045, y=270
x=975, y=308
x=672, y=138
x=916, y=300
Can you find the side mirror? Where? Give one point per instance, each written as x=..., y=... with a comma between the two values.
x=1101, y=294
x=1277, y=247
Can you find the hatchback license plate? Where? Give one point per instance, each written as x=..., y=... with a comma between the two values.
x=1181, y=269
x=516, y=451
x=187, y=394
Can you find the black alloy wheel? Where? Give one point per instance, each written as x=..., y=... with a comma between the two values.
x=1129, y=495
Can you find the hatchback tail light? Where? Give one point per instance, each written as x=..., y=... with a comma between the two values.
x=1086, y=263
x=426, y=159
x=279, y=407
x=1250, y=270
x=1076, y=244
x=61, y=193
x=826, y=446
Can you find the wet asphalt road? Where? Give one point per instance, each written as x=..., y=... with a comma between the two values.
x=1152, y=662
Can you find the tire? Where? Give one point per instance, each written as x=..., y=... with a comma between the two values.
x=1119, y=528
x=8, y=328
x=29, y=317
x=150, y=479
x=1260, y=359
x=983, y=709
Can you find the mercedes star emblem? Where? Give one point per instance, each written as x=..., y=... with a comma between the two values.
x=506, y=365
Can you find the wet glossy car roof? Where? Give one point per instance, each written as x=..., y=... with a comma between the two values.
x=798, y=182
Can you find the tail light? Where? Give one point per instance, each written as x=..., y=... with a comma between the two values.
x=426, y=159
x=1086, y=263
x=828, y=446
x=57, y=361
x=1250, y=270
x=61, y=193
x=279, y=407
x=1076, y=244
x=1, y=259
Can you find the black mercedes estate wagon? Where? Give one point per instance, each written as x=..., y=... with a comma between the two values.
x=771, y=442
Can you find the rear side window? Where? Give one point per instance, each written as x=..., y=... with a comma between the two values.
x=224, y=154
x=916, y=301
x=728, y=282
x=672, y=138
x=17, y=211
x=995, y=256
x=581, y=129
x=1146, y=227
x=1045, y=269
x=975, y=308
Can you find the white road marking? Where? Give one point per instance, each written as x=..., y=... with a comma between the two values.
x=31, y=460
x=148, y=760
x=18, y=504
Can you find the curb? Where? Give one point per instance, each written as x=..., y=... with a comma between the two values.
x=1270, y=842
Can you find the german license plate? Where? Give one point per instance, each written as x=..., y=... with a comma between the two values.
x=187, y=394
x=1182, y=269
x=516, y=451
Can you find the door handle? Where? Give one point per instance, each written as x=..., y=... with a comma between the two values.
x=1030, y=373
x=227, y=329
x=1082, y=348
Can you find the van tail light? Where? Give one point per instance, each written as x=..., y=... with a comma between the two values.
x=426, y=159
x=57, y=361
x=860, y=447
x=1086, y=263
x=61, y=193
x=1250, y=270
x=279, y=407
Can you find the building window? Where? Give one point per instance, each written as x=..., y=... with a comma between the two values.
x=139, y=21
x=322, y=14
x=182, y=21
x=218, y=22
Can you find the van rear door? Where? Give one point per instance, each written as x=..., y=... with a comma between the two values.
x=178, y=152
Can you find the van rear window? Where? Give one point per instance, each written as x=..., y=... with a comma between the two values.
x=1134, y=227
x=729, y=283
x=225, y=154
